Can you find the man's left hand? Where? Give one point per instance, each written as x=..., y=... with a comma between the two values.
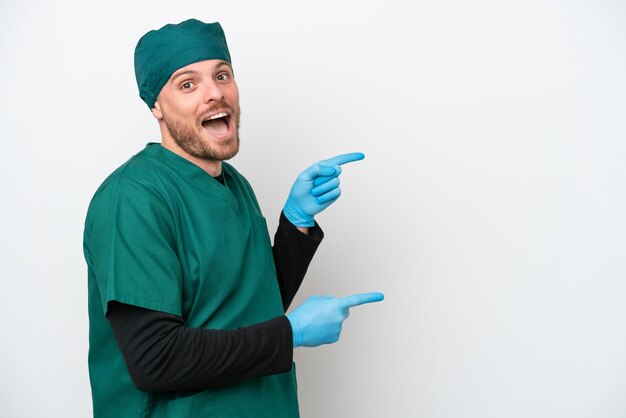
x=315, y=189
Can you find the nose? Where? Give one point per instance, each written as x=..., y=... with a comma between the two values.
x=213, y=91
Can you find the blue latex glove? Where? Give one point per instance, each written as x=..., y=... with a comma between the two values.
x=319, y=319
x=315, y=189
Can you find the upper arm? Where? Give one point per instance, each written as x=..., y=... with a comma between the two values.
x=130, y=238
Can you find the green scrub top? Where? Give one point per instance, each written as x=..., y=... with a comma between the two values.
x=164, y=235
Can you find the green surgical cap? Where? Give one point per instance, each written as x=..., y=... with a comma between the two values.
x=161, y=52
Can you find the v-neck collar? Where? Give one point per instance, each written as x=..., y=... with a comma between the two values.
x=195, y=174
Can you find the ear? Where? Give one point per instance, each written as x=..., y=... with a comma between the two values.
x=156, y=111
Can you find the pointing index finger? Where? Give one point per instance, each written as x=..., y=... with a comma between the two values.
x=362, y=298
x=343, y=159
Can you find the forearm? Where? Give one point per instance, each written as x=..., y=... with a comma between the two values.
x=293, y=252
x=162, y=354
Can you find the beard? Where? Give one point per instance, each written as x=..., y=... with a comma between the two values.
x=193, y=142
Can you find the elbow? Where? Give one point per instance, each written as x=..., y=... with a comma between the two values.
x=149, y=379
x=145, y=382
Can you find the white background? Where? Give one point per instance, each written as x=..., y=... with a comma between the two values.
x=489, y=210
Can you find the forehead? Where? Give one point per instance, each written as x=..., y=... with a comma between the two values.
x=201, y=67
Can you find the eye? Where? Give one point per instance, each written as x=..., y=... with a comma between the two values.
x=187, y=85
x=223, y=77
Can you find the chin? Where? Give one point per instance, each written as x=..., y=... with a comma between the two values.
x=226, y=150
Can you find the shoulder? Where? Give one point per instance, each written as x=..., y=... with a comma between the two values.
x=136, y=180
x=143, y=168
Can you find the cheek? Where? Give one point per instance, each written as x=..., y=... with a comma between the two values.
x=233, y=95
x=182, y=111
x=235, y=102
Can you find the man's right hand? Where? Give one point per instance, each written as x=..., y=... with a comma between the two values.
x=320, y=318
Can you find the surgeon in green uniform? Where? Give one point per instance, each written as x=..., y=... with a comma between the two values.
x=187, y=296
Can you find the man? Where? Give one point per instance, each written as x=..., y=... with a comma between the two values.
x=187, y=297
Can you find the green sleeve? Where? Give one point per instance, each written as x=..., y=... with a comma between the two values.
x=131, y=238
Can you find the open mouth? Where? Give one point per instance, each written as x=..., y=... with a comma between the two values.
x=218, y=123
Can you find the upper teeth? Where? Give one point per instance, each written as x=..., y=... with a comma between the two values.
x=218, y=115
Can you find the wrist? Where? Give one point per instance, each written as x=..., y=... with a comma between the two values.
x=295, y=331
x=297, y=217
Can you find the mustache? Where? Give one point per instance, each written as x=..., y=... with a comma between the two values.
x=221, y=105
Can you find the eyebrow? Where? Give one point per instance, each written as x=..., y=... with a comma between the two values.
x=175, y=76
x=221, y=64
